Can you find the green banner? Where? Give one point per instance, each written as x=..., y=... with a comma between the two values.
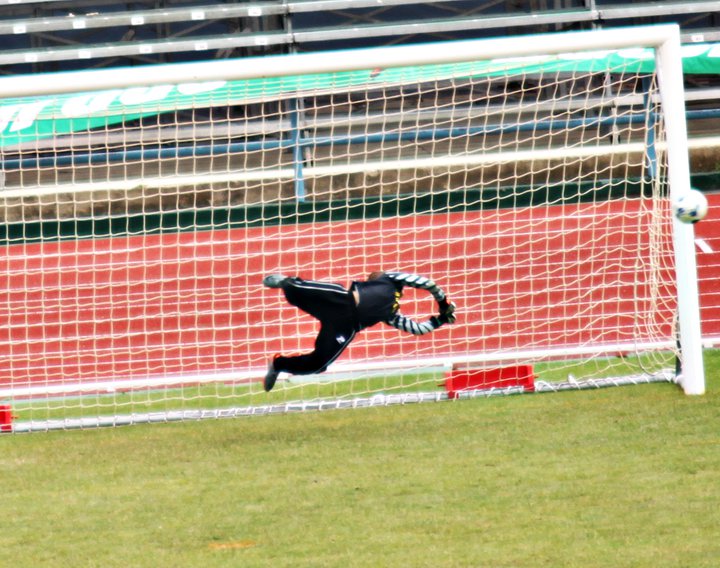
x=32, y=118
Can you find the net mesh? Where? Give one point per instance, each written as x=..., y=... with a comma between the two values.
x=138, y=225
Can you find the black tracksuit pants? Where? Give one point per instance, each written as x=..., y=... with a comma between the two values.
x=334, y=306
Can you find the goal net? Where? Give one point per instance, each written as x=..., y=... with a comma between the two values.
x=140, y=215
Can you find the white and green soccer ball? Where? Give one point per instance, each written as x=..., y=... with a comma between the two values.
x=690, y=207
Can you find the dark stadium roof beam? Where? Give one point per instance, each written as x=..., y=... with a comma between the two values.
x=134, y=18
x=126, y=49
x=14, y=57
x=250, y=9
x=653, y=9
x=181, y=14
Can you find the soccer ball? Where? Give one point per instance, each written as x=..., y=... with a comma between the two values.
x=690, y=207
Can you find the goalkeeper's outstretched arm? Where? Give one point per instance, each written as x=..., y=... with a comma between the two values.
x=446, y=308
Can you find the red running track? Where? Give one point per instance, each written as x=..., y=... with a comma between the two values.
x=707, y=237
x=191, y=303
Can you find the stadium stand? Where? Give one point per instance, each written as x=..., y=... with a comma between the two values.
x=61, y=35
x=48, y=35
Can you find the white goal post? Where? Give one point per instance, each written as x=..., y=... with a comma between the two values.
x=530, y=176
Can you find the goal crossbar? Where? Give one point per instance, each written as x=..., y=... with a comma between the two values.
x=327, y=62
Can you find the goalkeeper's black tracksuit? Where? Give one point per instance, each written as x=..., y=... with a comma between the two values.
x=341, y=317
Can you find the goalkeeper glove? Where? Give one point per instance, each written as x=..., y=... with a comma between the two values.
x=447, y=313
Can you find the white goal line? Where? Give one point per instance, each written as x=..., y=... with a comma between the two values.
x=374, y=400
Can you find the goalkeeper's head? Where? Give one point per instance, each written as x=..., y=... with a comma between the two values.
x=375, y=275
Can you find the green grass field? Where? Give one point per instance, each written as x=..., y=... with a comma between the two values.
x=613, y=477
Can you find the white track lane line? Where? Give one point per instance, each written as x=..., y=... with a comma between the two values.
x=703, y=245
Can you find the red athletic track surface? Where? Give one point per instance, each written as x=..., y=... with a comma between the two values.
x=707, y=237
x=192, y=303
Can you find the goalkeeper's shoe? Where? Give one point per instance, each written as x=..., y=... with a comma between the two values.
x=271, y=376
x=274, y=280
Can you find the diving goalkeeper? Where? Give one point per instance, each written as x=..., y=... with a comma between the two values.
x=344, y=312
